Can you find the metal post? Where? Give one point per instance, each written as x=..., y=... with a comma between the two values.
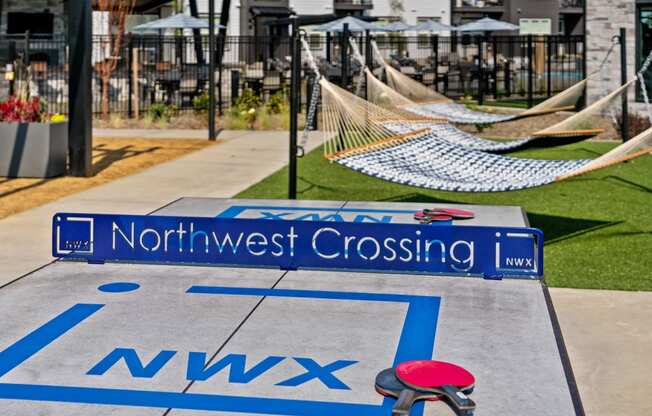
x=530, y=71
x=368, y=61
x=80, y=133
x=328, y=47
x=435, y=51
x=368, y=52
x=220, y=48
x=212, y=133
x=130, y=77
x=235, y=86
x=494, y=49
x=508, y=79
x=27, y=52
x=623, y=79
x=344, y=53
x=480, y=72
x=549, y=46
x=295, y=94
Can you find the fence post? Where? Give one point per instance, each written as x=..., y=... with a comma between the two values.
x=26, y=49
x=130, y=76
x=508, y=79
x=135, y=62
x=344, y=52
x=12, y=58
x=623, y=79
x=549, y=46
x=368, y=61
x=480, y=72
x=212, y=132
x=494, y=48
x=530, y=71
x=435, y=51
x=235, y=86
x=328, y=47
x=220, y=48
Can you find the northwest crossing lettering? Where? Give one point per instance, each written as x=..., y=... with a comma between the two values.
x=491, y=252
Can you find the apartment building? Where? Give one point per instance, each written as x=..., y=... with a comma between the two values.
x=567, y=16
x=604, y=18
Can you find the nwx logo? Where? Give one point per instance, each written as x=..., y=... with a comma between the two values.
x=200, y=368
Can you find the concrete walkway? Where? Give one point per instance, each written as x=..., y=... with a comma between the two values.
x=608, y=334
x=242, y=159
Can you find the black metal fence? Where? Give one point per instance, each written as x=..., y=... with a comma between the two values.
x=173, y=69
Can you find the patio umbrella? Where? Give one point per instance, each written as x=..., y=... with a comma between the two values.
x=395, y=27
x=432, y=26
x=176, y=21
x=355, y=25
x=487, y=25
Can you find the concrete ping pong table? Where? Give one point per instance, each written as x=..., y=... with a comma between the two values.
x=135, y=339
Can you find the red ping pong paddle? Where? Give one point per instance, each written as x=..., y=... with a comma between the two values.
x=458, y=214
x=426, y=219
x=446, y=379
x=388, y=385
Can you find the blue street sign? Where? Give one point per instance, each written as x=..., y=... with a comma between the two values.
x=491, y=252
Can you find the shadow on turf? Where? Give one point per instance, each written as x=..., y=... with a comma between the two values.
x=555, y=228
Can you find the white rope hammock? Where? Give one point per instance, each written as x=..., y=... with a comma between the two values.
x=578, y=128
x=426, y=101
x=359, y=137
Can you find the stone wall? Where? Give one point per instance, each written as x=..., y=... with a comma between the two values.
x=603, y=21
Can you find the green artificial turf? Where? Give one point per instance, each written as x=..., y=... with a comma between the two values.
x=598, y=227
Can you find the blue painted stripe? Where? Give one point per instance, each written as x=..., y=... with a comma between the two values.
x=234, y=211
x=231, y=212
x=315, y=294
x=41, y=337
x=188, y=401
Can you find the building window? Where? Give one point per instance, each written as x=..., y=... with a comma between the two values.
x=316, y=41
x=35, y=23
x=644, y=45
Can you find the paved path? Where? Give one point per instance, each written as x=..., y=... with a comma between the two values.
x=608, y=334
x=241, y=160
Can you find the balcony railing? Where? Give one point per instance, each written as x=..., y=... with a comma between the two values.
x=571, y=4
x=479, y=4
x=353, y=4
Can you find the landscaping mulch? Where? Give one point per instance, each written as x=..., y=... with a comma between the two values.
x=112, y=159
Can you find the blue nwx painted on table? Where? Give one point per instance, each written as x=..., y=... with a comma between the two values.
x=416, y=342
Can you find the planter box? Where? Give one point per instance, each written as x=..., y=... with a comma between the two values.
x=33, y=150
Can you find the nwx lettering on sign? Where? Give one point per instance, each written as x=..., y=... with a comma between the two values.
x=491, y=252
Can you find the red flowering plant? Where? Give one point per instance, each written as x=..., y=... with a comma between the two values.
x=16, y=110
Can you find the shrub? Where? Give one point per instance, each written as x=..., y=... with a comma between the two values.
x=161, y=111
x=277, y=103
x=15, y=110
x=247, y=100
x=480, y=127
x=636, y=122
x=200, y=103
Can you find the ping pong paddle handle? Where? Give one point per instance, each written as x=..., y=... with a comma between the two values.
x=460, y=401
x=404, y=403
